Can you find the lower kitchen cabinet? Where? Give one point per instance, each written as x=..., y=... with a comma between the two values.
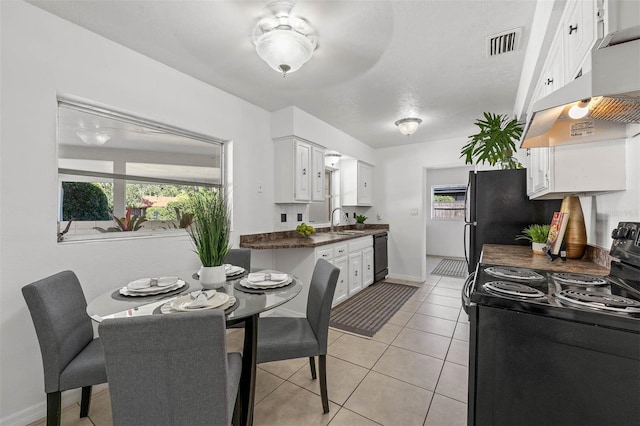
x=354, y=258
x=355, y=273
x=367, y=267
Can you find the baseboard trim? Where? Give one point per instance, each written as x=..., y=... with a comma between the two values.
x=405, y=277
x=39, y=410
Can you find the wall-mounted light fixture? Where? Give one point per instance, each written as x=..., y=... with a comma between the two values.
x=408, y=126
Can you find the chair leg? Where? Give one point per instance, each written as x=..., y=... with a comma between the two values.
x=323, y=383
x=85, y=402
x=237, y=411
x=54, y=408
x=312, y=364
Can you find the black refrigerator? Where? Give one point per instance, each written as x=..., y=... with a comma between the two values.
x=497, y=208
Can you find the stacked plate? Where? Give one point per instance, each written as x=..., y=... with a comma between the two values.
x=199, y=301
x=266, y=280
x=152, y=286
x=233, y=271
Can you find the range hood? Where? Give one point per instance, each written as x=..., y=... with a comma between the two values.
x=612, y=93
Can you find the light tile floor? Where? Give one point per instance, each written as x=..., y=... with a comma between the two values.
x=413, y=371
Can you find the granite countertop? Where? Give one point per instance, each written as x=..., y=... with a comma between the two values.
x=522, y=256
x=291, y=239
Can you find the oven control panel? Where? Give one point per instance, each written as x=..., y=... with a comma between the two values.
x=626, y=242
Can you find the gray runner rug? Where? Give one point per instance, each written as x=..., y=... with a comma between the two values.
x=366, y=312
x=451, y=268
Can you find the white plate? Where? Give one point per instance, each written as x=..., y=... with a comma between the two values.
x=145, y=283
x=151, y=290
x=265, y=284
x=217, y=300
x=234, y=270
x=269, y=282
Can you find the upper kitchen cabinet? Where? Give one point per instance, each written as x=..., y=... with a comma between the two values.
x=578, y=33
x=299, y=171
x=356, y=180
x=586, y=169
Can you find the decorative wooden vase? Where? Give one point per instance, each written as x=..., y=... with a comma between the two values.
x=575, y=237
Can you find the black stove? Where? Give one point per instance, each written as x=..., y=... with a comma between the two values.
x=612, y=300
x=564, y=346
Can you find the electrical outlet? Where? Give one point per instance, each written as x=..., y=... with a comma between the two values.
x=283, y=217
x=299, y=217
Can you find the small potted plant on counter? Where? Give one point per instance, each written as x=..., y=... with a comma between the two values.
x=537, y=234
x=360, y=221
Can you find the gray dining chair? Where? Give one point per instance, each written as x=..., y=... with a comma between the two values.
x=171, y=369
x=71, y=357
x=281, y=338
x=239, y=257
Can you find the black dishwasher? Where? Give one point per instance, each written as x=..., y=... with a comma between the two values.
x=380, y=263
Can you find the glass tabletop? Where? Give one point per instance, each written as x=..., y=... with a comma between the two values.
x=113, y=305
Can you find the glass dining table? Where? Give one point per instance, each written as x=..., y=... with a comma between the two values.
x=249, y=304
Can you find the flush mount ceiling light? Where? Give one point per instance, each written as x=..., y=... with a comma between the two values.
x=580, y=109
x=93, y=137
x=408, y=126
x=333, y=158
x=284, y=42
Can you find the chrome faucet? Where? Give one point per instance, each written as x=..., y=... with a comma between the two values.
x=332, y=227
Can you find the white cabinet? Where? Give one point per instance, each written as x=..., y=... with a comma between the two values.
x=355, y=273
x=578, y=29
x=356, y=180
x=367, y=267
x=537, y=170
x=552, y=77
x=299, y=168
x=582, y=169
x=349, y=256
x=317, y=174
x=342, y=290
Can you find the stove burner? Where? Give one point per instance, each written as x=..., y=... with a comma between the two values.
x=502, y=288
x=606, y=302
x=512, y=273
x=578, y=279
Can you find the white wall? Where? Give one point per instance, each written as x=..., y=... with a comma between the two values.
x=43, y=56
x=399, y=179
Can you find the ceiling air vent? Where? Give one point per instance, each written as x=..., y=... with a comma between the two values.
x=504, y=42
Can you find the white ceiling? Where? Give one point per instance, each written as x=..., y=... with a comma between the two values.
x=376, y=61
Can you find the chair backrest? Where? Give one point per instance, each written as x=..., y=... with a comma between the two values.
x=321, y=290
x=239, y=257
x=167, y=369
x=59, y=312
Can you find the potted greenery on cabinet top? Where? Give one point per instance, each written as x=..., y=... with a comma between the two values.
x=209, y=232
x=495, y=143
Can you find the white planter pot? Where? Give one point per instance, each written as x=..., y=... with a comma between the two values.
x=537, y=248
x=212, y=276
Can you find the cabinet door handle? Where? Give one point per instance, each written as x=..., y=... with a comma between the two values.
x=549, y=81
x=365, y=184
x=356, y=273
x=304, y=172
x=319, y=175
x=368, y=267
x=572, y=29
